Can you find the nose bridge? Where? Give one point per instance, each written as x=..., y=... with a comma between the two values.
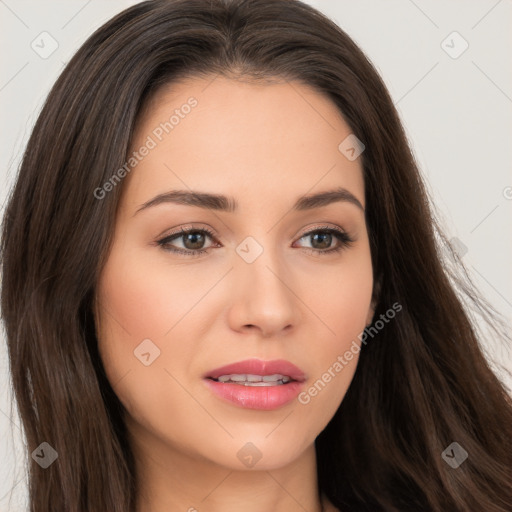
x=263, y=295
x=260, y=264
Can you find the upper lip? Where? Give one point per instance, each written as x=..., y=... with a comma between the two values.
x=259, y=367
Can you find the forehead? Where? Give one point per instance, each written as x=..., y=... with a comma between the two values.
x=245, y=139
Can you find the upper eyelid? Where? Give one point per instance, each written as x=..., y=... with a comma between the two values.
x=210, y=232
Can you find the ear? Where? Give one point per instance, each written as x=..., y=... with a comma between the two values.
x=377, y=285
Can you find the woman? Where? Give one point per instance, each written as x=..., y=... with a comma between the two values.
x=222, y=287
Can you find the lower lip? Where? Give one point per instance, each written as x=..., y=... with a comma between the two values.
x=264, y=398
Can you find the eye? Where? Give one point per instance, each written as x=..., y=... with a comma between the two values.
x=193, y=240
x=322, y=238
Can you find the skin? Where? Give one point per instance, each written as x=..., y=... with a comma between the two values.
x=265, y=145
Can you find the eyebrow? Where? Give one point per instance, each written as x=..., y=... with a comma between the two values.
x=223, y=203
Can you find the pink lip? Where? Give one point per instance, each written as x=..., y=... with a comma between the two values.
x=264, y=397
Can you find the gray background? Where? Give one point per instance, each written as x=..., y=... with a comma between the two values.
x=457, y=113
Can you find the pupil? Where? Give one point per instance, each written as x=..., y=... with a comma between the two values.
x=322, y=235
x=193, y=238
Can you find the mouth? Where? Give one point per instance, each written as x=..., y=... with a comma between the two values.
x=256, y=384
x=254, y=380
x=255, y=372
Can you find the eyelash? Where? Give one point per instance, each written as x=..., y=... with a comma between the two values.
x=344, y=239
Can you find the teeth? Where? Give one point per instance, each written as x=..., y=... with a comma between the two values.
x=255, y=380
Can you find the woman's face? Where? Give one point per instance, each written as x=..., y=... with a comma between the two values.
x=263, y=285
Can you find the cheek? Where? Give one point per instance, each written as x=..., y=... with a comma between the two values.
x=337, y=351
x=341, y=308
x=147, y=300
x=141, y=297
x=340, y=297
x=138, y=304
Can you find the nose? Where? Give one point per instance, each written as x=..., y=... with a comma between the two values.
x=263, y=296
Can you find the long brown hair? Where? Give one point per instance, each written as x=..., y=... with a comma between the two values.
x=421, y=384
